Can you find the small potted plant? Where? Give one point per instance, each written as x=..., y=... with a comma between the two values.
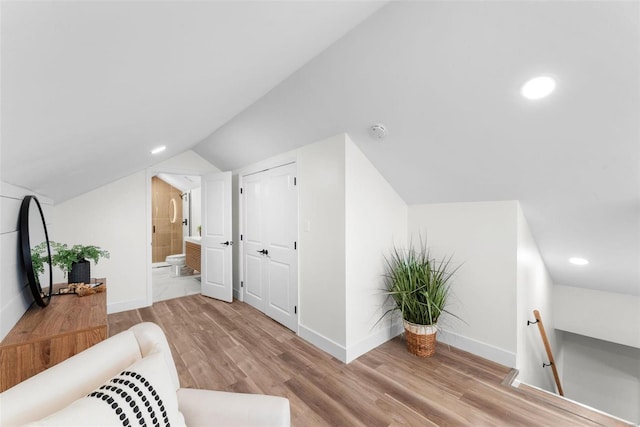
x=419, y=287
x=74, y=260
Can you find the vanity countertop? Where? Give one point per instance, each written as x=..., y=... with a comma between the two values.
x=193, y=239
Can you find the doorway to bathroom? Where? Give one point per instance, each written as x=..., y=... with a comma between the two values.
x=175, y=219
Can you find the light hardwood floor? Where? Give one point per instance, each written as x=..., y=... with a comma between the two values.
x=233, y=347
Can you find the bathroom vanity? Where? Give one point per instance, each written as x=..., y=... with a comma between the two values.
x=192, y=252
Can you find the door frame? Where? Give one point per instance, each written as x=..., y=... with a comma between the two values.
x=252, y=170
x=149, y=174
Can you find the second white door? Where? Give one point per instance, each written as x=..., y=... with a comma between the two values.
x=216, y=254
x=269, y=237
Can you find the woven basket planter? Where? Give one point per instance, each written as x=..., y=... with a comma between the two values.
x=421, y=339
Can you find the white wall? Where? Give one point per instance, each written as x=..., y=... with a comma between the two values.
x=603, y=375
x=114, y=218
x=15, y=296
x=187, y=163
x=482, y=237
x=534, y=292
x=321, y=231
x=604, y=315
x=117, y=217
x=376, y=220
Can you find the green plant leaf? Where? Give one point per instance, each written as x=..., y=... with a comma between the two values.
x=63, y=256
x=418, y=285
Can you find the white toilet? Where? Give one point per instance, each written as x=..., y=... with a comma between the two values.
x=177, y=261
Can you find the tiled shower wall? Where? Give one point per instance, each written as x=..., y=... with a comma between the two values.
x=167, y=227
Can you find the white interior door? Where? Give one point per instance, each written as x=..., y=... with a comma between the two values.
x=253, y=239
x=282, y=261
x=216, y=253
x=270, y=224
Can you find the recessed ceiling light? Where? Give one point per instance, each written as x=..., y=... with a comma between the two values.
x=159, y=149
x=578, y=261
x=538, y=87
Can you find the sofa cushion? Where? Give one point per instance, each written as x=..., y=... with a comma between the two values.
x=151, y=338
x=202, y=407
x=142, y=394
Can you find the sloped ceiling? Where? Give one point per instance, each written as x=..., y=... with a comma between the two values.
x=444, y=77
x=89, y=88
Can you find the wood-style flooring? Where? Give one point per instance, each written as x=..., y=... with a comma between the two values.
x=233, y=347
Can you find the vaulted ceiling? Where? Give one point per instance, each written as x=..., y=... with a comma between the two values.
x=89, y=88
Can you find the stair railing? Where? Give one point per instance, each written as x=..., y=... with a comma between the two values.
x=547, y=347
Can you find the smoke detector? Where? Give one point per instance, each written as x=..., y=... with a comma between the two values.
x=378, y=132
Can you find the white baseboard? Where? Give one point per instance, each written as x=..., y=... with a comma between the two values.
x=323, y=343
x=347, y=355
x=377, y=338
x=117, y=307
x=381, y=336
x=478, y=348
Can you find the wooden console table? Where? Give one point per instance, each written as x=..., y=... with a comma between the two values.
x=44, y=337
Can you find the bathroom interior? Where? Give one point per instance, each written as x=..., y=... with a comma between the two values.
x=176, y=219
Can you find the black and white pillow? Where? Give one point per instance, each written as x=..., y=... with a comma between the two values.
x=141, y=395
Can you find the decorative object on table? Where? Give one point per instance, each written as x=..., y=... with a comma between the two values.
x=82, y=289
x=419, y=287
x=74, y=260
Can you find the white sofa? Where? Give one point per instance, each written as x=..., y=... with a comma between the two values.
x=70, y=393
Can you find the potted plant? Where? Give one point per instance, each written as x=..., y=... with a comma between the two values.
x=74, y=260
x=419, y=287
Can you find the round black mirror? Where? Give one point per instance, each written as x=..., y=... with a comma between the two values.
x=36, y=252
